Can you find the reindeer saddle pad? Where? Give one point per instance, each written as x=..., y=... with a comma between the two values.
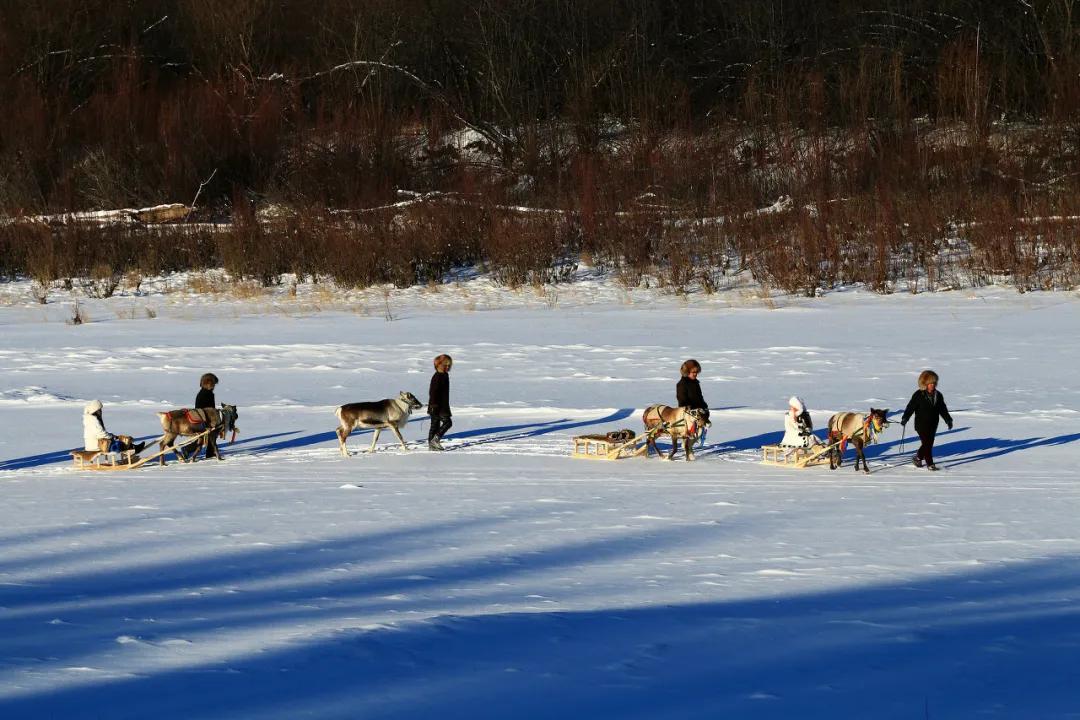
x=196, y=418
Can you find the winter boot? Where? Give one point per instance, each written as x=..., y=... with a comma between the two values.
x=434, y=445
x=916, y=461
x=931, y=466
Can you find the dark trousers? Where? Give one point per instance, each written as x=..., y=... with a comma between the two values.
x=926, y=450
x=439, y=425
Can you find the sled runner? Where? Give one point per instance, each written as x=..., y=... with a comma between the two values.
x=125, y=459
x=796, y=457
x=614, y=445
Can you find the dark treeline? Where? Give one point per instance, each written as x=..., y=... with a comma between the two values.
x=895, y=120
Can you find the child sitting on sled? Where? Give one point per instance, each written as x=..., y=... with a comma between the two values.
x=96, y=437
x=798, y=428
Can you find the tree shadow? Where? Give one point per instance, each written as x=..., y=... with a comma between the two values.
x=997, y=642
x=392, y=572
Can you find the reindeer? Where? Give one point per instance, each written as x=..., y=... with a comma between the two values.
x=860, y=429
x=390, y=413
x=187, y=422
x=680, y=422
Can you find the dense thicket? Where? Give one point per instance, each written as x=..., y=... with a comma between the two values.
x=914, y=113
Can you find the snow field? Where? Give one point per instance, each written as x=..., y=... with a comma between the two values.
x=504, y=579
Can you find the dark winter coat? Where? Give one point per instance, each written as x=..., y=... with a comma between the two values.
x=439, y=395
x=927, y=409
x=205, y=399
x=688, y=394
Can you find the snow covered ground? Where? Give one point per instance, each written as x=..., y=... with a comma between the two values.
x=505, y=579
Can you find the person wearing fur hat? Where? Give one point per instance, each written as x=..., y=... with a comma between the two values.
x=439, y=402
x=688, y=392
x=94, y=432
x=798, y=428
x=928, y=407
x=205, y=397
x=688, y=389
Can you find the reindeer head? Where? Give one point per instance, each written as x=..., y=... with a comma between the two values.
x=229, y=414
x=409, y=399
x=879, y=418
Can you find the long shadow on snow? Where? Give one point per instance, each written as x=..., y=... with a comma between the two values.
x=996, y=447
x=148, y=601
x=50, y=458
x=1000, y=642
x=12, y=543
x=543, y=428
x=986, y=447
x=313, y=439
x=754, y=442
x=60, y=456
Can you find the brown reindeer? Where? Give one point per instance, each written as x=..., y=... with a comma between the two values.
x=187, y=422
x=680, y=422
x=390, y=413
x=860, y=429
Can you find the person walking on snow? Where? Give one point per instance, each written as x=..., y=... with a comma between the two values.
x=205, y=397
x=798, y=428
x=688, y=389
x=94, y=432
x=439, y=402
x=205, y=400
x=928, y=406
x=688, y=392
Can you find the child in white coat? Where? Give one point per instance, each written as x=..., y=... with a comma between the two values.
x=94, y=432
x=798, y=428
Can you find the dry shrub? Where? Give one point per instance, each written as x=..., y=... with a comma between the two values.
x=207, y=284
x=250, y=250
x=102, y=281
x=528, y=251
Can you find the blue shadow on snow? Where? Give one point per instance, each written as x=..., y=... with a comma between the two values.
x=997, y=642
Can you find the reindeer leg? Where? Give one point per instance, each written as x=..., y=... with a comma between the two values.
x=194, y=456
x=688, y=446
x=165, y=441
x=674, y=448
x=341, y=435
x=400, y=439
x=375, y=440
x=179, y=451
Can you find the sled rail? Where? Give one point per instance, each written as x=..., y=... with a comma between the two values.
x=126, y=459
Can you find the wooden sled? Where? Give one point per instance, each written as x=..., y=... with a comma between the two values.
x=603, y=447
x=795, y=457
x=126, y=459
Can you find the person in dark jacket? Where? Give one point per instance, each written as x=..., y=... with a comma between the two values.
x=439, y=402
x=928, y=407
x=688, y=392
x=205, y=399
x=688, y=389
